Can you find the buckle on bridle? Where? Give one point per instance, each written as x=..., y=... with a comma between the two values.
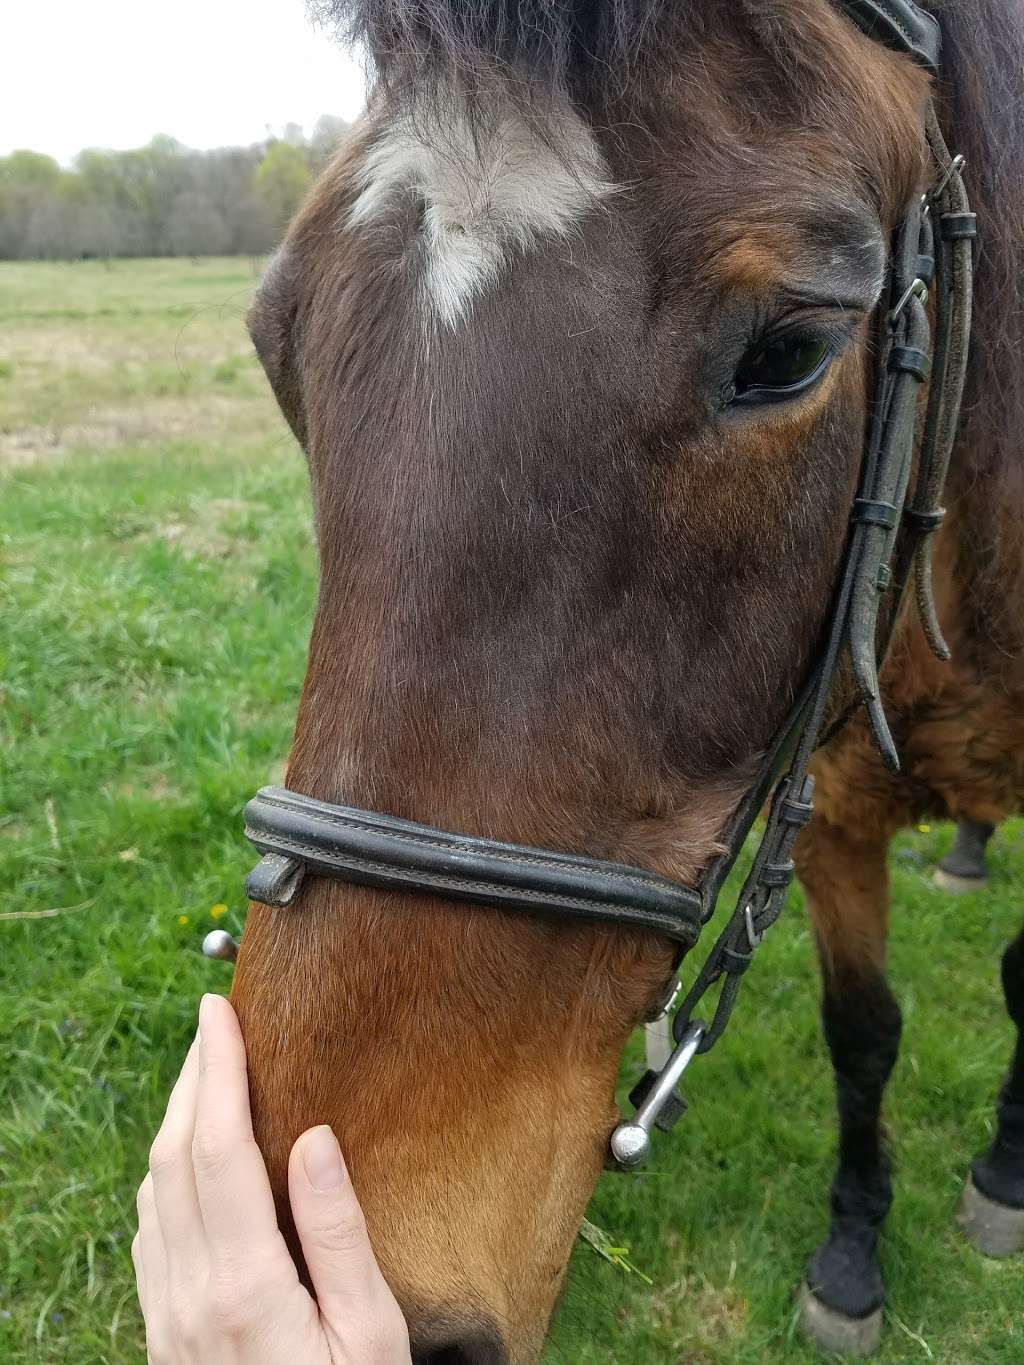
x=668, y=1004
x=954, y=168
x=916, y=289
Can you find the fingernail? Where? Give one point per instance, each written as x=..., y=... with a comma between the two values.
x=204, y=1010
x=321, y=1159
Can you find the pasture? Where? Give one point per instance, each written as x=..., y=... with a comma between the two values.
x=157, y=574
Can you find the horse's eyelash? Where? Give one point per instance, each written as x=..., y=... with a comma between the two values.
x=834, y=332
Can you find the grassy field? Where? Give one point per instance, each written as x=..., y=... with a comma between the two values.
x=157, y=580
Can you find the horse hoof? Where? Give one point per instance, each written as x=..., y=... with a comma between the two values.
x=835, y=1332
x=955, y=885
x=995, y=1229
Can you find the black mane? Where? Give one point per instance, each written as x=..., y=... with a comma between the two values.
x=545, y=43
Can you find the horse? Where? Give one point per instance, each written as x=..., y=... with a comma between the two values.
x=579, y=335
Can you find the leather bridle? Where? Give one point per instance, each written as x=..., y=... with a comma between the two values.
x=889, y=542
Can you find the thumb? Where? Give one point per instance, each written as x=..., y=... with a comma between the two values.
x=354, y=1298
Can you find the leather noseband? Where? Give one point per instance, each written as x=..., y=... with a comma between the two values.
x=296, y=833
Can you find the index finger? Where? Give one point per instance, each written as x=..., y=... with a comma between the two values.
x=231, y=1179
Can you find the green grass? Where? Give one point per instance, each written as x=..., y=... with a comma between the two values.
x=157, y=579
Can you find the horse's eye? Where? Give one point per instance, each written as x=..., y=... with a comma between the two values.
x=782, y=367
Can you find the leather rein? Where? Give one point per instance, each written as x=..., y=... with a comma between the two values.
x=298, y=836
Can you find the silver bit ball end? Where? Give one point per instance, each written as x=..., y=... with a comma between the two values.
x=630, y=1145
x=219, y=943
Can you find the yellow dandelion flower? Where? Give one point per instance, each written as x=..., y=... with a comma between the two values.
x=217, y=910
x=183, y=919
x=924, y=829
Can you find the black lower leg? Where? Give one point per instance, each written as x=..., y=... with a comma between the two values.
x=999, y=1174
x=862, y=1026
x=966, y=859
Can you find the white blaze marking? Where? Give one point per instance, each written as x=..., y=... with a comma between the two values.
x=490, y=189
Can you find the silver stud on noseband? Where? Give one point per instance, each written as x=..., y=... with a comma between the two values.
x=219, y=943
x=631, y=1141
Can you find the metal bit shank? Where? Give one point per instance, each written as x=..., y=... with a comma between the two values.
x=631, y=1141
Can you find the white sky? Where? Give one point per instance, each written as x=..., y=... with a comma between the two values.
x=111, y=73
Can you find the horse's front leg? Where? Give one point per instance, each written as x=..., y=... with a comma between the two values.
x=992, y=1209
x=843, y=871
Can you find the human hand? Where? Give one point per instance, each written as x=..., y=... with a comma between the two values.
x=216, y=1283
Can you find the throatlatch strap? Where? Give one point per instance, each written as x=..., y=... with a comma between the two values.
x=954, y=248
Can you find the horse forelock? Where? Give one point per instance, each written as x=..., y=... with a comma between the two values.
x=541, y=45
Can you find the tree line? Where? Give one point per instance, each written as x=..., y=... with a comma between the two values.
x=160, y=200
